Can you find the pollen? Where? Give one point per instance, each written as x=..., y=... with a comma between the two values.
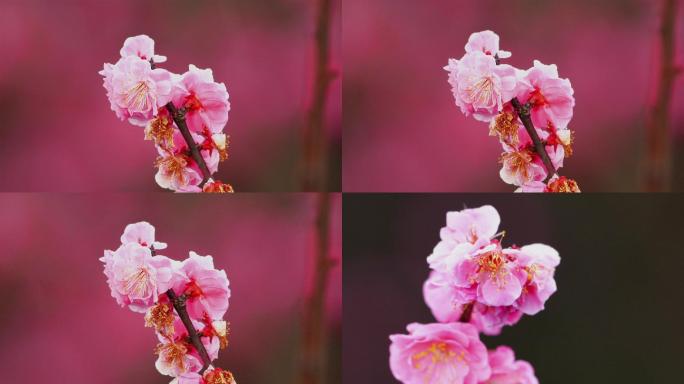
x=173, y=166
x=493, y=264
x=563, y=185
x=160, y=130
x=138, y=283
x=219, y=376
x=505, y=126
x=136, y=96
x=482, y=91
x=160, y=317
x=437, y=353
x=173, y=354
x=517, y=162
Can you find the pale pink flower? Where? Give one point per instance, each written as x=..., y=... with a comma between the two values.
x=135, y=90
x=141, y=46
x=467, y=228
x=532, y=187
x=506, y=370
x=176, y=354
x=205, y=101
x=521, y=165
x=178, y=170
x=448, y=301
x=538, y=263
x=206, y=288
x=439, y=354
x=550, y=96
x=486, y=42
x=141, y=233
x=135, y=277
x=480, y=86
x=188, y=378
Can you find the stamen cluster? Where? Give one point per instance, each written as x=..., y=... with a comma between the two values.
x=528, y=111
x=475, y=285
x=184, y=115
x=184, y=302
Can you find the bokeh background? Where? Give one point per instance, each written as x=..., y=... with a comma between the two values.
x=404, y=133
x=57, y=313
x=59, y=134
x=617, y=314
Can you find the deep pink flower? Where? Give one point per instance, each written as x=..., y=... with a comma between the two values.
x=468, y=229
x=177, y=356
x=205, y=101
x=486, y=42
x=506, y=370
x=480, y=86
x=135, y=90
x=538, y=262
x=439, y=353
x=135, y=277
x=206, y=288
x=141, y=46
x=551, y=97
x=447, y=303
x=141, y=233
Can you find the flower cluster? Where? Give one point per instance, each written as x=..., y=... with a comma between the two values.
x=183, y=301
x=529, y=111
x=184, y=115
x=475, y=285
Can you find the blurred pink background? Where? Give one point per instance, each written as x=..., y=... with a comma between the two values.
x=404, y=133
x=57, y=313
x=58, y=133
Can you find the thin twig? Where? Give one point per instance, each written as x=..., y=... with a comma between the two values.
x=658, y=148
x=179, y=119
x=523, y=112
x=314, y=176
x=467, y=313
x=181, y=309
x=313, y=343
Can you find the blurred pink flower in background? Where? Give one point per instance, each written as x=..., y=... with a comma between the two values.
x=506, y=370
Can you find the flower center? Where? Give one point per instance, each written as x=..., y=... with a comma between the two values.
x=136, y=97
x=138, y=283
x=517, y=162
x=481, y=92
x=493, y=265
x=537, y=99
x=172, y=354
x=173, y=166
x=437, y=353
x=160, y=129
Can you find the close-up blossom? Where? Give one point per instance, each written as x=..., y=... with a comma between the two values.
x=439, y=353
x=507, y=370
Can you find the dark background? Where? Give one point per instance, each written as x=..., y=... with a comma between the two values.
x=616, y=318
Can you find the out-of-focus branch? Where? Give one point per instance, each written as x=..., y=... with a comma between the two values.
x=313, y=353
x=657, y=178
x=315, y=160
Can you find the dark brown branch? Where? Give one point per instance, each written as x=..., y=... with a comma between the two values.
x=179, y=119
x=314, y=177
x=523, y=112
x=313, y=343
x=467, y=313
x=658, y=149
x=181, y=309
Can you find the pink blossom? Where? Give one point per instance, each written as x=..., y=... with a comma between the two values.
x=206, y=288
x=486, y=42
x=521, y=165
x=465, y=229
x=490, y=275
x=480, y=86
x=550, y=96
x=177, y=356
x=135, y=277
x=439, y=353
x=205, y=101
x=539, y=262
x=506, y=370
x=141, y=233
x=135, y=90
x=141, y=46
x=448, y=301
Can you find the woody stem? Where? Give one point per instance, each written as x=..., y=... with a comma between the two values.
x=179, y=118
x=179, y=304
x=467, y=312
x=523, y=112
